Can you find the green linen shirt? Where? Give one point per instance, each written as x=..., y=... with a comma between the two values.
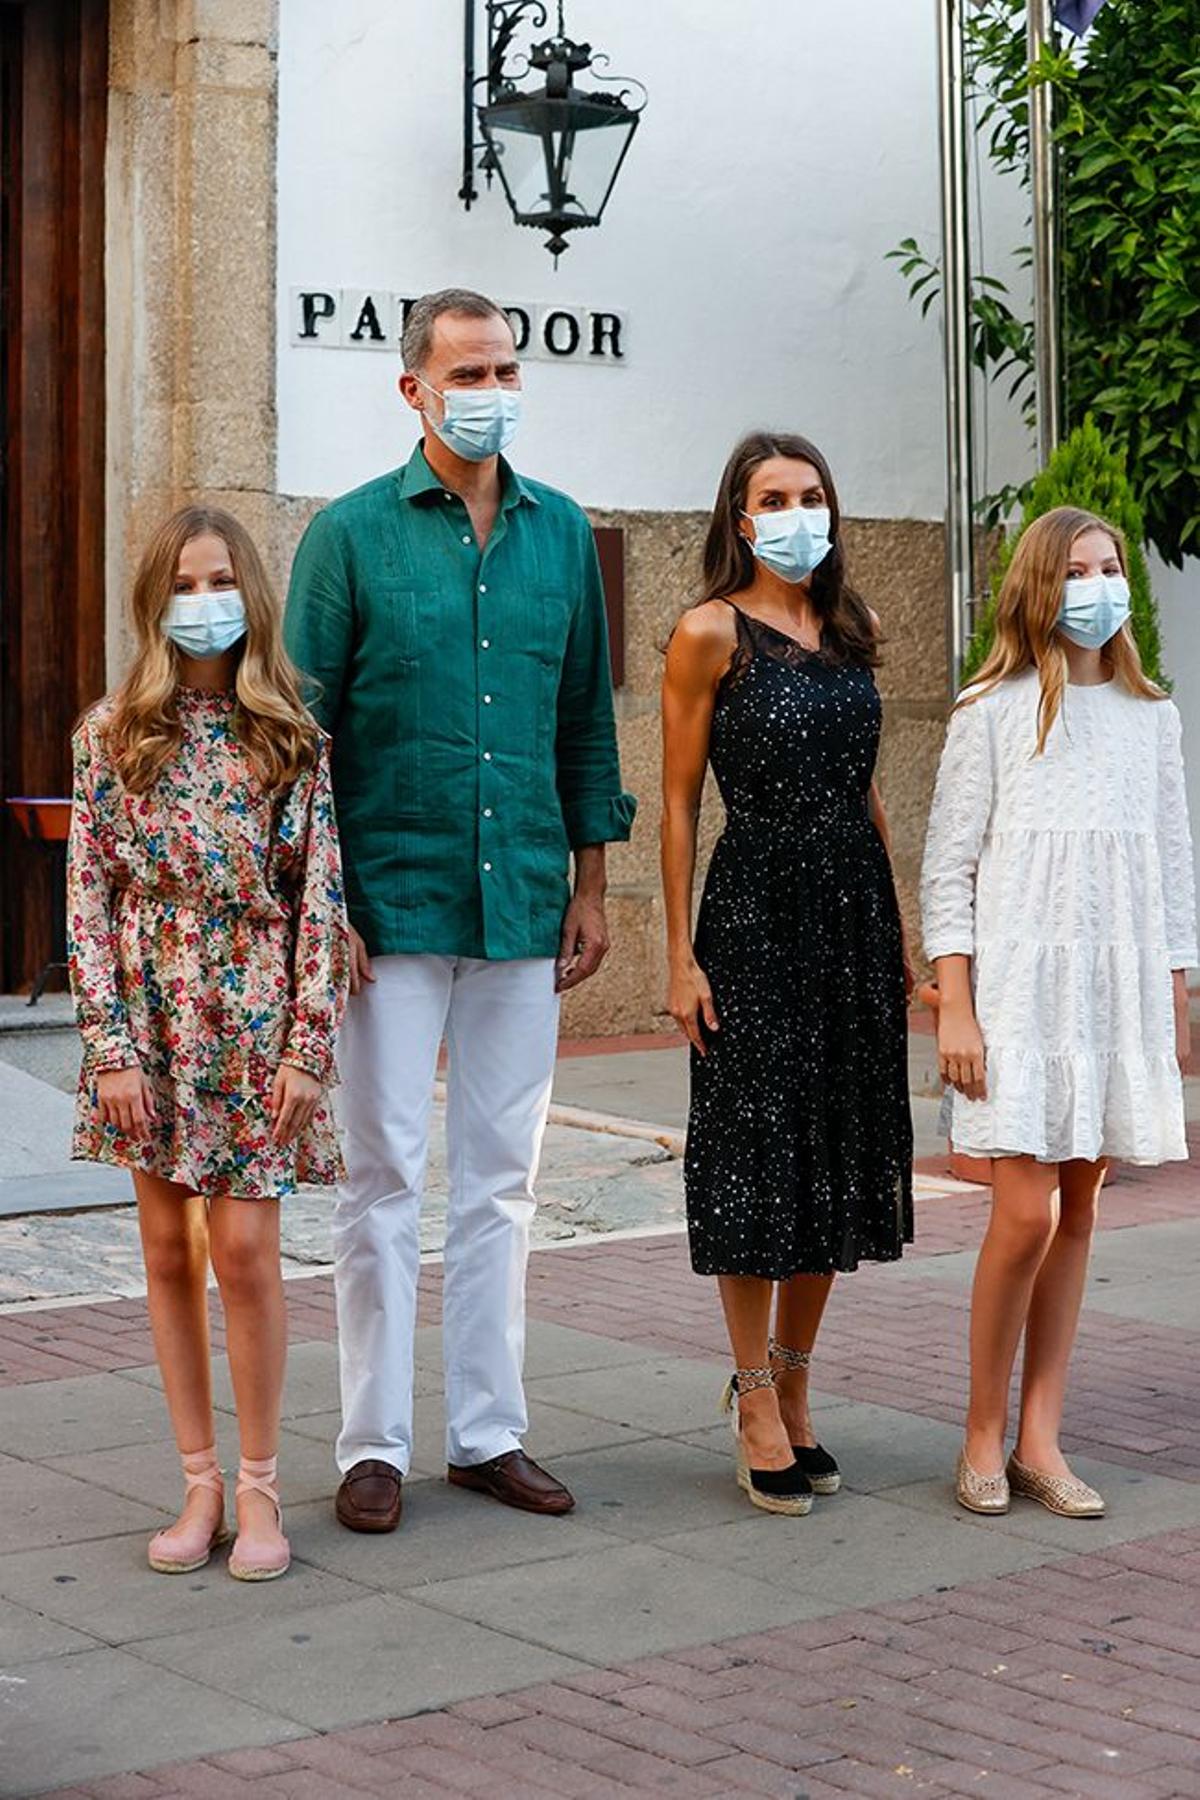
x=470, y=705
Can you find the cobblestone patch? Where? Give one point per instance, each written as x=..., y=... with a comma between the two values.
x=592, y=1183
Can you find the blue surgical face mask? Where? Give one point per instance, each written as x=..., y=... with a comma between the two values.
x=204, y=625
x=1094, y=608
x=792, y=543
x=477, y=422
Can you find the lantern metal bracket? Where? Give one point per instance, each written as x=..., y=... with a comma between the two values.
x=503, y=19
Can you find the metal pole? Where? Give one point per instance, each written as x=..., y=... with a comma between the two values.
x=956, y=301
x=1043, y=198
x=468, y=191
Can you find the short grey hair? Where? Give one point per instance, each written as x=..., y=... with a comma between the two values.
x=416, y=340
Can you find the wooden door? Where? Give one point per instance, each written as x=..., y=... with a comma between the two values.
x=53, y=105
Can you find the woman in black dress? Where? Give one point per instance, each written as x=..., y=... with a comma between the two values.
x=793, y=991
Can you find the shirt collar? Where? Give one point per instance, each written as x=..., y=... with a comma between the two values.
x=417, y=479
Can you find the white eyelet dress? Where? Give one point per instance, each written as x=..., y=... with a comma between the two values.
x=1068, y=879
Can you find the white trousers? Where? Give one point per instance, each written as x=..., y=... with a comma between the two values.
x=500, y=1022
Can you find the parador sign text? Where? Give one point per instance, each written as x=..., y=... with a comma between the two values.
x=373, y=318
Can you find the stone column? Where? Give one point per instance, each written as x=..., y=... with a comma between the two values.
x=190, y=186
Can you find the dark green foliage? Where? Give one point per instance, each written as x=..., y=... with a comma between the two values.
x=1130, y=137
x=1085, y=472
x=1128, y=113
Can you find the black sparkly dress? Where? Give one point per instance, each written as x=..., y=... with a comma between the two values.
x=799, y=1147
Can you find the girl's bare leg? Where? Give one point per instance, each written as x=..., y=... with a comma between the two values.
x=1054, y=1316
x=174, y=1230
x=1024, y=1215
x=746, y=1300
x=244, y=1238
x=798, y=1314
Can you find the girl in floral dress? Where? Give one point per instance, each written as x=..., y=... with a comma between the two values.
x=209, y=967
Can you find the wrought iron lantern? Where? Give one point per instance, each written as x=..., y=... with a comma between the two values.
x=557, y=149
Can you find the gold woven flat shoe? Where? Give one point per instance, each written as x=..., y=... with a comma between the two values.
x=980, y=1493
x=1063, y=1494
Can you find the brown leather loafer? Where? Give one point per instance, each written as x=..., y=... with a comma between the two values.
x=515, y=1480
x=369, y=1498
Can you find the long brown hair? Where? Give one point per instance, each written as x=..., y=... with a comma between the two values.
x=271, y=720
x=1027, y=609
x=847, y=632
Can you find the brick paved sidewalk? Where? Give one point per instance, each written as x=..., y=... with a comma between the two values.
x=664, y=1639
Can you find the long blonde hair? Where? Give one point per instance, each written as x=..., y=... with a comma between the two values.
x=1027, y=609
x=271, y=720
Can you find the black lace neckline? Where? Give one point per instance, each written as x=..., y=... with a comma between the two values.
x=756, y=624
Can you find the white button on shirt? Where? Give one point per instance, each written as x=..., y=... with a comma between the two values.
x=487, y=868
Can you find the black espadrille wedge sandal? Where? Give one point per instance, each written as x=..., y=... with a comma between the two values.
x=771, y=1490
x=818, y=1465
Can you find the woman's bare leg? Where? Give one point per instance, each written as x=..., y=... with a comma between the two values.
x=1024, y=1215
x=174, y=1229
x=1054, y=1317
x=798, y=1315
x=244, y=1237
x=746, y=1300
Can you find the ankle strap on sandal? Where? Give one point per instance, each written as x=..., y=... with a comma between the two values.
x=746, y=1380
x=788, y=1359
x=202, y=1470
x=259, y=1475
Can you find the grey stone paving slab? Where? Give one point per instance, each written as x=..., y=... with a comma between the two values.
x=1139, y=1504
x=646, y=1490
x=37, y=1118
x=877, y=1447
x=310, y=1386
x=26, y=1636
x=84, y=1412
x=666, y=1394
x=633, y=1084
x=107, y=1589
x=71, y=1718
x=377, y=1658
x=558, y=1350
x=43, y=1506
x=553, y=1431
x=614, y=1605
x=1148, y=1274
x=856, y=1550
x=443, y=1532
x=150, y=1472
x=81, y=1185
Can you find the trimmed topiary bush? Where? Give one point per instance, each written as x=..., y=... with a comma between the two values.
x=1084, y=471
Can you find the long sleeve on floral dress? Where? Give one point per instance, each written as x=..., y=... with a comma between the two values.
x=92, y=939
x=1175, y=843
x=321, y=965
x=958, y=824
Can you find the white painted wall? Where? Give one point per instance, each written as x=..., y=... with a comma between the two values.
x=788, y=144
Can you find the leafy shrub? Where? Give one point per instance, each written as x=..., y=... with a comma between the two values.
x=1084, y=471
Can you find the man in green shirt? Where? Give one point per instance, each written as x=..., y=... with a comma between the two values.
x=451, y=617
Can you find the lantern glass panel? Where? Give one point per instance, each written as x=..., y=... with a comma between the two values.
x=556, y=158
x=590, y=165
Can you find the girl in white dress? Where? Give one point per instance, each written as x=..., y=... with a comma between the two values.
x=1059, y=912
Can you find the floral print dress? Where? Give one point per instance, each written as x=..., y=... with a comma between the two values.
x=208, y=944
